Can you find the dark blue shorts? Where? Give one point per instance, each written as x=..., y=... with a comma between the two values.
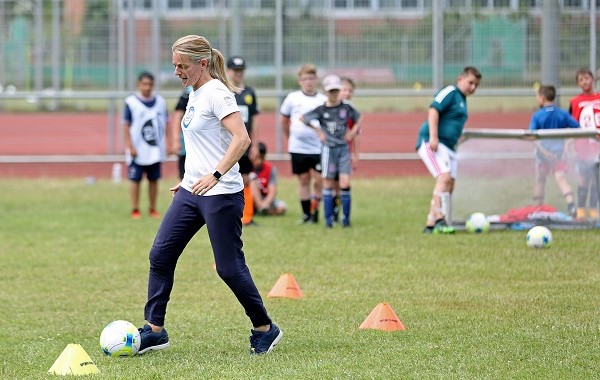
x=136, y=171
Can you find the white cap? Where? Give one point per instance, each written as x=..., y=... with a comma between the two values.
x=332, y=82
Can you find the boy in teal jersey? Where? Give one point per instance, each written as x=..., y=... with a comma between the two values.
x=437, y=141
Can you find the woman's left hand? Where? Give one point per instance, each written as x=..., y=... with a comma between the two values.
x=175, y=188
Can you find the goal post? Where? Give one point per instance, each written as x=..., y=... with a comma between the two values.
x=497, y=176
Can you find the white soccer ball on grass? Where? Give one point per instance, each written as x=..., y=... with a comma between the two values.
x=477, y=223
x=120, y=338
x=539, y=237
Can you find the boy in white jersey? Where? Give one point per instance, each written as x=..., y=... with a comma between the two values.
x=211, y=194
x=304, y=145
x=145, y=121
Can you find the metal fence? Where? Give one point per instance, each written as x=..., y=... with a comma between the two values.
x=397, y=51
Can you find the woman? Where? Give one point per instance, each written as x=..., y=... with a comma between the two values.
x=211, y=194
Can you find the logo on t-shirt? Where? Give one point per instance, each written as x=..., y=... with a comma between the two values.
x=149, y=133
x=188, y=117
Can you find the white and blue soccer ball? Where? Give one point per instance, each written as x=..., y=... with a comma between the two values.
x=539, y=237
x=477, y=223
x=120, y=338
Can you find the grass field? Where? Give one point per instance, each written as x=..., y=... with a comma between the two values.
x=475, y=306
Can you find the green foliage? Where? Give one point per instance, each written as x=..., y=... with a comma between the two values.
x=475, y=306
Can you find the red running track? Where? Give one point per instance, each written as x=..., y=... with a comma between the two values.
x=55, y=134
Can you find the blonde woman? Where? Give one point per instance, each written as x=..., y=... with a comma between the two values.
x=211, y=194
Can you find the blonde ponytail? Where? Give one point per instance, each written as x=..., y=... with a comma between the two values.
x=216, y=69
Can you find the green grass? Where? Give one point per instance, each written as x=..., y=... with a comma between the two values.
x=475, y=306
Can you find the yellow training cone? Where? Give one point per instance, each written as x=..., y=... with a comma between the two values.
x=73, y=361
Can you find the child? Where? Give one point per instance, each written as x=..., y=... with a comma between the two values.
x=330, y=120
x=346, y=95
x=549, y=152
x=437, y=142
x=585, y=108
x=145, y=123
x=304, y=145
x=265, y=175
x=245, y=97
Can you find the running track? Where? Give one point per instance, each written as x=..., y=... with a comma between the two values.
x=70, y=134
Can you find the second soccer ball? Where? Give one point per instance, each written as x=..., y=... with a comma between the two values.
x=539, y=237
x=477, y=223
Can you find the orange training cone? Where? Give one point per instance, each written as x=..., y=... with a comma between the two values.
x=286, y=287
x=248, y=213
x=383, y=318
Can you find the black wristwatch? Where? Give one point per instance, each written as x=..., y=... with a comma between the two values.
x=217, y=175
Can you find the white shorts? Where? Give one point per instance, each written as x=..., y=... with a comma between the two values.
x=439, y=162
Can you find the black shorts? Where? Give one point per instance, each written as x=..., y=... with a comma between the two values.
x=302, y=163
x=246, y=166
x=181, y=165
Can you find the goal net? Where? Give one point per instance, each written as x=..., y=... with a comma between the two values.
x=497, y=176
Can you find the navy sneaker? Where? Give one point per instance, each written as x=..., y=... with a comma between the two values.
x=263, y=342
x=152, y=341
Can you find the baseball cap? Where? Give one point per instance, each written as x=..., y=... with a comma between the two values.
x=236, y=63
x=332, y=82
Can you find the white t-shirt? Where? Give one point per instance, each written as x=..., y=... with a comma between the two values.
x=147, y=130
x=206, y=140
x=303, y=139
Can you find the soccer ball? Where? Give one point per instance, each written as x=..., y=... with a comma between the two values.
x=477, y=223
x=120, y=338
x=539, y=237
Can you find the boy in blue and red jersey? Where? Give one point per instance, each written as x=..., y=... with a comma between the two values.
x=549, y=152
